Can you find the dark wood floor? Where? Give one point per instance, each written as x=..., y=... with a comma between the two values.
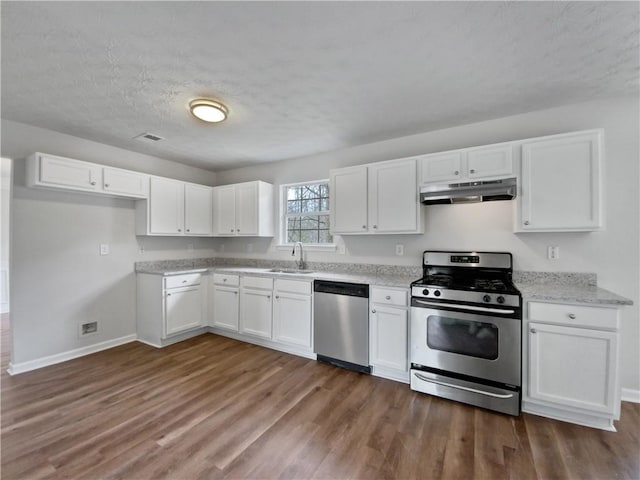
x=213, y=407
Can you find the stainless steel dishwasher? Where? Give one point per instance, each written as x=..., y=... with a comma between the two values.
x=341, y=324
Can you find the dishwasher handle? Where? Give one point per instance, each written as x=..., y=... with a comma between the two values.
x=341, y=288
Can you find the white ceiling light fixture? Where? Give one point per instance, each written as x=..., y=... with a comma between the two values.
x=208, y=110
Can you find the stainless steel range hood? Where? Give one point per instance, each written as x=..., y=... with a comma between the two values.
x=470, y=192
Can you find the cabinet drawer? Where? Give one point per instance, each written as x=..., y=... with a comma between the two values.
x=226, y=279
x=293, y=286
x=257, y=282
x=387, y=296
x=574, y=315
x=175, y=281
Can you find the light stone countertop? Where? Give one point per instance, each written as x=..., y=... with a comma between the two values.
x=571, y=293
x=561, y=287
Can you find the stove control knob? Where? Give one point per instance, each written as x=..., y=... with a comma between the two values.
x=437, y=293
x=486, y=298
x=500, y=299
x=425, y=292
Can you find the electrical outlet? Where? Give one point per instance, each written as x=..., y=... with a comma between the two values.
x=553, y=252
x=141, y=249
x=104, y=249
x=399, y=249
x=190, y=248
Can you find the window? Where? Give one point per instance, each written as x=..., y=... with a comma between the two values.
x=306, y=213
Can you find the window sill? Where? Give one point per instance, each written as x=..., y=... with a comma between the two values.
x=309, y=247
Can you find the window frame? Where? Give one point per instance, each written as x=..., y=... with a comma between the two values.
x=283, y=240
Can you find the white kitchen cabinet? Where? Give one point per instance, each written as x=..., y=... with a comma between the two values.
x=560, y=183
x=464, y=165
x=169, y=308
x=570, y=366
x=225, y=301
x=61, y=173
x=292, y=313
x=175, y=208
x=118, y=181
x=243, y=209
x=256, y=306
x=389, y=333
x=198, y=209
x=380, y=198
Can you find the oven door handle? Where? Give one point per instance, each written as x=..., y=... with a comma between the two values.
x=466, y=307
x=460, y=387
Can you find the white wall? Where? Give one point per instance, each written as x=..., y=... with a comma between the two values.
x=613, y=253
x=58, y=278
x=5, y=200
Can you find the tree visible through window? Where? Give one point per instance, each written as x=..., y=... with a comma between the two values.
x=307, y=213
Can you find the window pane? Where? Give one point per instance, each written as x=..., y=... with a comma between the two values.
x=293, y=236
x=324, y=236
x=293, y=193
x=309, y=236
x=293, y=206
x=302, y=222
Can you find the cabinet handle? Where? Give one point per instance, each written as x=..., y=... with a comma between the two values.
x=224, y=279
x=184, y=281
x=533, y=330
x=168, y=294
x=472, y=171
x=232, y=230
x=526, y=222
x=179, y=229
x=456, y=172
x=237, y=230
x=373, y=311
x=364, y=226
x=375, y=226
x=235, y=293
x=268, y=297
x=188, y=229
x=572, y=316
x=277, y=297
x=106, y=185
x=93, y=183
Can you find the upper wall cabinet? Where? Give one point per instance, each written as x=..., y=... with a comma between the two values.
x=380, y=198
x=560, y=183
x=467, y=164
x=51, y=171
x=175, y=208
x=243, y=209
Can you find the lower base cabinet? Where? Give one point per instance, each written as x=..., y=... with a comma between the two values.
x=292, y=313
x=170, y=308
x=389, y=333
x=571, y=363
x=224, y=304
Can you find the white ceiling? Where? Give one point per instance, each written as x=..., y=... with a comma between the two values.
x=303, y=77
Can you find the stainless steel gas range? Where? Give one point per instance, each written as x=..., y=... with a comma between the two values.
x=466, y=330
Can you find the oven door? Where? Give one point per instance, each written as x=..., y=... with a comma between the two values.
x=478, y=344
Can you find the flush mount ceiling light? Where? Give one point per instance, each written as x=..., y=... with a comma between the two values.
x=208, y=110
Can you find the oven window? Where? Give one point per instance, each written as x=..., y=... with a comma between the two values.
x=476, y=339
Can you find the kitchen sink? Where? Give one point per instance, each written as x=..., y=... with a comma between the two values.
x=289, y=270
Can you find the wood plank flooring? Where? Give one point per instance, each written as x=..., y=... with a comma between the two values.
x=212, y=407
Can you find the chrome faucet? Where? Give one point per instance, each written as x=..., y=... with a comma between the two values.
x=293, y=254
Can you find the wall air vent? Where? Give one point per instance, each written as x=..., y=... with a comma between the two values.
x=148, y=136
x=89, y=328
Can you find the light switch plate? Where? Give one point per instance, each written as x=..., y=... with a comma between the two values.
x=553, y=252
x=399, y=249
x=104, y=249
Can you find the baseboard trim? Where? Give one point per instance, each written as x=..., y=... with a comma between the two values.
x=17, y=368
x=630, y=395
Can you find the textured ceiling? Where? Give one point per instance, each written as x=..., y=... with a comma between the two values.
x=303, y=77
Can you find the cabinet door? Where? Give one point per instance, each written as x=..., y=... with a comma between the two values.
x=247, y=208
x=490, y=161
x=571, y=366
x=560, y=187
x=224, y=210
x=388, y=332
x=225, y=307
x=69, y=173
x=255, y=312
x=166, y=206
x=292, y=319
x=393, y=197
x=125, y=182
x=198, y=215
x=441, y=167
x=348, y=197
x=183, y=309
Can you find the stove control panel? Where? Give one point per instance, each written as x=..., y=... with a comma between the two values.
x=465, y=296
